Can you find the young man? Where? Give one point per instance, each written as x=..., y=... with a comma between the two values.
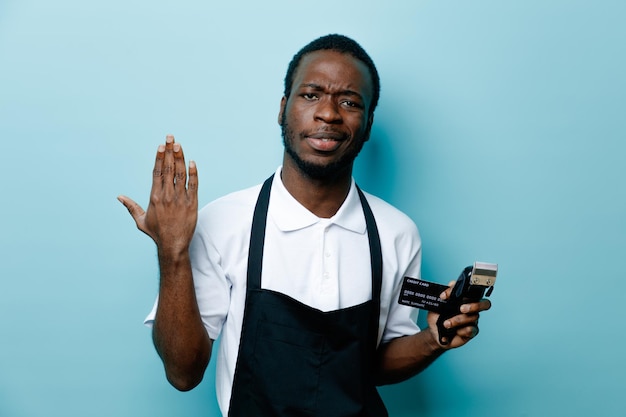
x=299, y=277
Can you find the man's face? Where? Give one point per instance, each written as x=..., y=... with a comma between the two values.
x=325, y=121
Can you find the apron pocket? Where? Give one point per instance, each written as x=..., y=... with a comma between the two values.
x=288, y=361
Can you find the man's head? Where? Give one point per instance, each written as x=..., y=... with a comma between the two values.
x=338, y=43
x=326, y=113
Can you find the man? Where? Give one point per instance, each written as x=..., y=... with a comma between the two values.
x=299, y=277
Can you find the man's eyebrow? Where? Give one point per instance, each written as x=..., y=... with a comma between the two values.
x=318, y=87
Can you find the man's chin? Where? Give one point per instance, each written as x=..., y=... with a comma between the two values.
x=319, y=167
x=321, y=171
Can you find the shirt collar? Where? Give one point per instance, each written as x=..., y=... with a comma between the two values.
x=289, y=215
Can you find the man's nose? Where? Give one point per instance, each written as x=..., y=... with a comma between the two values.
x=327, y=111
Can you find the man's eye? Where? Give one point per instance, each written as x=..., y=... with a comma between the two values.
x=352, y=104
x=309, y=96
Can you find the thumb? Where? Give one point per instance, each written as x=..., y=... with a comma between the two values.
x=133, y=208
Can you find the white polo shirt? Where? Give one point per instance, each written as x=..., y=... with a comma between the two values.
x=324, y=263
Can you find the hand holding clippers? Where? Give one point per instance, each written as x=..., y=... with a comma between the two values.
x=470, y=287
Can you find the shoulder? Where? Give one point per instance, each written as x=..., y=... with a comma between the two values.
x=229, y=212
x=399, y=236
x=236, y=200
x=389, y=217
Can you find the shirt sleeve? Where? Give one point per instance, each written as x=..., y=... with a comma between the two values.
x=402, y=319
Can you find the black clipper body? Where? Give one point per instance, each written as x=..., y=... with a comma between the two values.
x=470, y=287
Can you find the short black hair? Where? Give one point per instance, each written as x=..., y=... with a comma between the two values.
x=344, y=45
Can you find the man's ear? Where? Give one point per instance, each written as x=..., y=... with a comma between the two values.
x=370, y=122
x=283, y=103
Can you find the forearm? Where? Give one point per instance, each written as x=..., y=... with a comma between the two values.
x=407, y=356
x=178, y=333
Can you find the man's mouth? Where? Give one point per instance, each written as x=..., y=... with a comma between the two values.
x=325, y=141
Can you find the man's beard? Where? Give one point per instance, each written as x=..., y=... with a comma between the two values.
x=313, y=170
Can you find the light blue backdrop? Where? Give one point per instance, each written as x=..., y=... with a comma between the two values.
x=500, y=131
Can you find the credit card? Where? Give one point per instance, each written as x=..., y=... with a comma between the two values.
x=422, y=294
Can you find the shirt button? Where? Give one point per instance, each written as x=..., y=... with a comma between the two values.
x=327, y=254
x=325, y=275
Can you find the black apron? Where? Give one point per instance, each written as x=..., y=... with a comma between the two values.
x=297, y=361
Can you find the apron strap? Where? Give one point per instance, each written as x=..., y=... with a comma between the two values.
x=376, y=258
x=376, y=253
x=257, y=236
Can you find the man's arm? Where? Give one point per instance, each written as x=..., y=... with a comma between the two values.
x=178, y=333
x=170, y=220
x=407, y=356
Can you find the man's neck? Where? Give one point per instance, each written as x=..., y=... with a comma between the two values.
x=322, y=197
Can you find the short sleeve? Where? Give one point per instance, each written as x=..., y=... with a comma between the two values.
x=402, y=319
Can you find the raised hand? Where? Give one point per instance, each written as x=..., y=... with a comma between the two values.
x=170, y=218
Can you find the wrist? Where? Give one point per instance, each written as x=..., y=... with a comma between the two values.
x=433, y=344
x=172, y=258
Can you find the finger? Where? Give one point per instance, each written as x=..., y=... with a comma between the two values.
x=477, y=307
x=446, y=294
x=157, y=172
x=461, y=320
x=169, y=168
x=180, y=170
x=192, y=185
x=133, y=208
x=468, y=332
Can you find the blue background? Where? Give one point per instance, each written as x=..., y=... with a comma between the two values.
x=500, y=131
